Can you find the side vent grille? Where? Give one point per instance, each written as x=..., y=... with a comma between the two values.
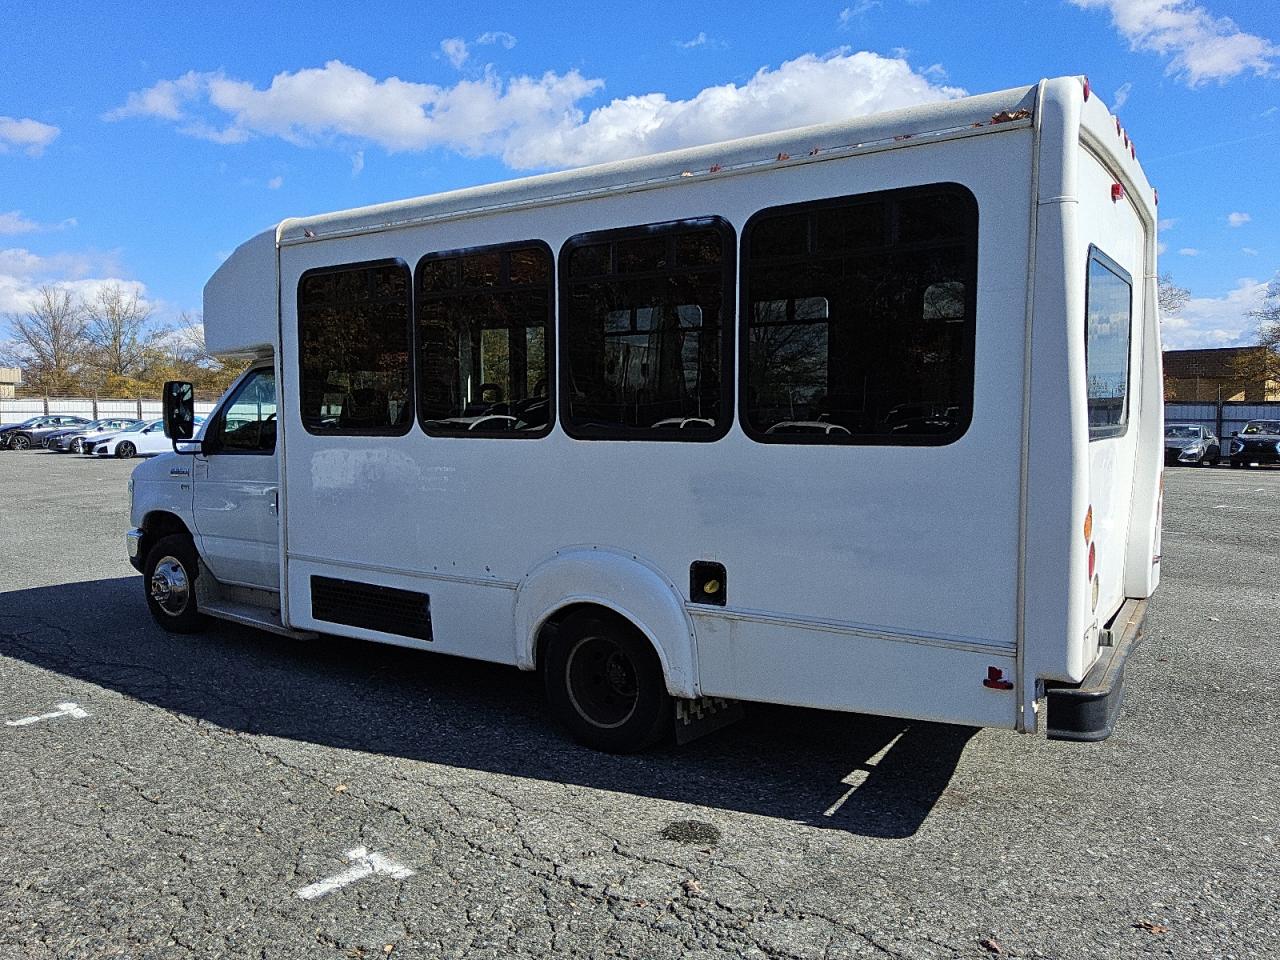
x=371, y=607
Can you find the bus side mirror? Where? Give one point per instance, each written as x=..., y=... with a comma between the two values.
x=179, y=410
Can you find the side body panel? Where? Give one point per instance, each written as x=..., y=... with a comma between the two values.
x=863, y=577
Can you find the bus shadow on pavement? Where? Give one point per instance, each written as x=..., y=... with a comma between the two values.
x=872, y=776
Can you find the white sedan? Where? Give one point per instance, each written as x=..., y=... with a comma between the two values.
x=145, y=438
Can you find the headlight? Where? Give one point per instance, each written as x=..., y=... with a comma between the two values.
x=1193, y=451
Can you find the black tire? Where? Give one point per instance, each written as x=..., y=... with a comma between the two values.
x=19, y=441
x=173, y=558
x=125, y=449
x=604, y=683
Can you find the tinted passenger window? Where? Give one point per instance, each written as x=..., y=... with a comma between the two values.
x=644, y=334
x=484, y=322
x=248, y=422
x=1108, y=304
x=353, y=345
x=859, y=323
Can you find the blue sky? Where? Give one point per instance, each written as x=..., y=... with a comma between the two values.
x=142, y=142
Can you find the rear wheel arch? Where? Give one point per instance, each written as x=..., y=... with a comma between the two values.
x=616, y=584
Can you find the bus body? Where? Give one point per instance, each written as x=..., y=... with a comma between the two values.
x=863, y=417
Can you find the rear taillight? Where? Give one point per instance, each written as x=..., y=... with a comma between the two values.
x=1094, y=583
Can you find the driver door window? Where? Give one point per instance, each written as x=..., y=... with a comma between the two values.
x=247, y=424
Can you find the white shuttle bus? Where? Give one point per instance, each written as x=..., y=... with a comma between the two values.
x=863, y=416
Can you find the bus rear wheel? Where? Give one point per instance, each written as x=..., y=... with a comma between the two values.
x=604, y=683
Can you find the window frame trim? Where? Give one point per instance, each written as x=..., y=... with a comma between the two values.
x=1097, y=254
x=219, y=419
x=744, y=327
x=550, y=343
x=729, y=240
x=412, y=398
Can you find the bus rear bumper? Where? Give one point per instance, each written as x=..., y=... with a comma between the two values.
x=1087, y=711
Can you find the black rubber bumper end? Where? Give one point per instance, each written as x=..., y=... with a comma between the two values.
x=1087, y=711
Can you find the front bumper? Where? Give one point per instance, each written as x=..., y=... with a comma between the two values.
x=1087, y=711
x=133, y=544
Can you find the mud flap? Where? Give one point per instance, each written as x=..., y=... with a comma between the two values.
x=697, y=718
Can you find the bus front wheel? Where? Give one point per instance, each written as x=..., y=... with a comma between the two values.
x=604, y=682
x=169, y=578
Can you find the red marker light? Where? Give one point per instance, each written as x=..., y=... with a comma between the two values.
x=1093, y=559
x=1117, y=192
x=996, y=681
x=1086, y=89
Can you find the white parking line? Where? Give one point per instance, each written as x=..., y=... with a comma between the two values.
x=63, y=710
x=363, y=864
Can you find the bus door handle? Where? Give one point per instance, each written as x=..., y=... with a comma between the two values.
x=273, y=501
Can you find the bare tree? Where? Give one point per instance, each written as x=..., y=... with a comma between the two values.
x=1268, y=317
x=118, y=328
x=49, y=341
x=1171, y=296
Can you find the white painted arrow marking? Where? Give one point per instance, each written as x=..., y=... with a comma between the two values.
x=363, y=864
x=63, y=710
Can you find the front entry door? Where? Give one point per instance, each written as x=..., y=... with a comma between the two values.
x=235, y=484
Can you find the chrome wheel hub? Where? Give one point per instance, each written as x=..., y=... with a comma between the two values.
x=170, y=588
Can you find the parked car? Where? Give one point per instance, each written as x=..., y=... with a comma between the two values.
x=1190, y=443
x=145, y=438
x=23, y=436
x=73, y=441
x=1258, y=442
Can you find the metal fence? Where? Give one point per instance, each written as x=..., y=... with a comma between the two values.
x=1223, y=418
x=16, y=411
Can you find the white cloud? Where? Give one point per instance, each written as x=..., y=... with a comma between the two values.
x=456, y=51
x=1238, y=219
x=1216, y=321
x=27, y=135
x=699, y=41
x=166, y=99
x=1189, y=252
x=275, y=183
x=1121, y=96
x=501, y=37
x=23, y=272
x=1249, y=251
x=1167, y=223
x=857, y=10
x=536, y=121
x=357, y=163
x=14, y=222
x=1200, y=46
x=1161, y=248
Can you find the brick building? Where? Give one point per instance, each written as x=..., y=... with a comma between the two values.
x=1251, y=374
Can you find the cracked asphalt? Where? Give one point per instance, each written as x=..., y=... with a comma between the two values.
x=218, y=774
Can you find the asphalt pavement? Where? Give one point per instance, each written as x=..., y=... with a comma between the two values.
x=238, y=794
